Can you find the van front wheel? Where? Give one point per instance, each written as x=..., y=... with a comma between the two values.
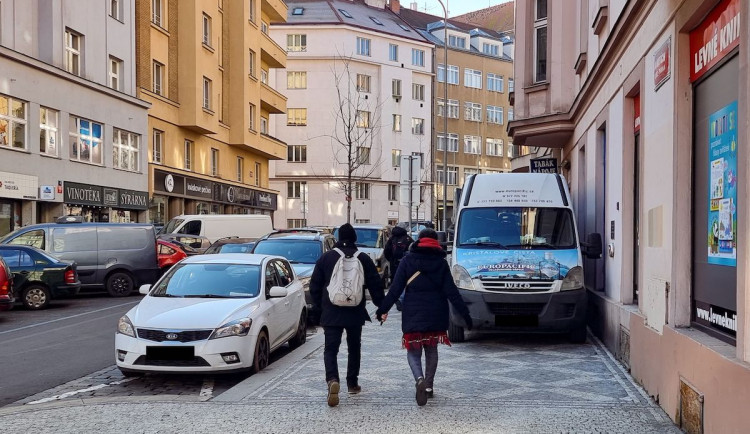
x=456, y=333
x=120, y=284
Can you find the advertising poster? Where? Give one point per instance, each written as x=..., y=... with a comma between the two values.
x=518, y=264
x=722, y=208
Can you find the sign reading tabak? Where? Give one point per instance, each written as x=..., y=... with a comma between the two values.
x=715, y=37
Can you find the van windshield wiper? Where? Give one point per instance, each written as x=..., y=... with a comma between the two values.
x=545, y=245
x=205, y=296
x=484, y=243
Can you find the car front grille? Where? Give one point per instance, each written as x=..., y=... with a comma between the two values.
x=512, y=286
x=182, y=336
x=513, y=309
x=195, y=361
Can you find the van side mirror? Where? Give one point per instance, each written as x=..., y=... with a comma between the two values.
x=592, y=248
x=144, y=289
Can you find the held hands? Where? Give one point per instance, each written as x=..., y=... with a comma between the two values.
x=381, y=317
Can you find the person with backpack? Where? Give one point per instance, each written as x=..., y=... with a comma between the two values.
x=395, y=248
x=337, y=292
x=425, y=278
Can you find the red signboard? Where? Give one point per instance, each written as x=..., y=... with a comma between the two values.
x=661, y=64
x=715, y=37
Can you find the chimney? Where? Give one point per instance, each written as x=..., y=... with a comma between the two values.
x=394, y=6
x=414, y=6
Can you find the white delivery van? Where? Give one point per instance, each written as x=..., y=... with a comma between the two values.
x=517, y=258
x=215, y=226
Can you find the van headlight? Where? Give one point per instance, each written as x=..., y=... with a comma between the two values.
x=461, y=277
x=239, y=327
x=573, y=280
x=125, y=327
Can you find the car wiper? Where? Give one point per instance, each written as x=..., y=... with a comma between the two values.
x=165, y=295
x=205, y=296
x=484, y=243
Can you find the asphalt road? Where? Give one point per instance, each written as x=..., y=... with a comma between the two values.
x=71, y=339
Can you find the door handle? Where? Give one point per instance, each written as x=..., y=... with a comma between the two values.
x=24, y=272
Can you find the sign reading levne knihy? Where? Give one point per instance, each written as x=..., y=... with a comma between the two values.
x=715, y=37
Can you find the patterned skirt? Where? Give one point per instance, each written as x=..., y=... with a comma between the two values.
x=416, y=340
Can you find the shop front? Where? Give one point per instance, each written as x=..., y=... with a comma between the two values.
x=96, y=203
x=17, y=195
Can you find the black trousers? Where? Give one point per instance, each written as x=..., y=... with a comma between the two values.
x=331, y=351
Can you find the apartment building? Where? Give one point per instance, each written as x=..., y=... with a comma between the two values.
x=358, y=80
x=72, y=131
x=647, y=104
x=479, y=78
x=204, y=67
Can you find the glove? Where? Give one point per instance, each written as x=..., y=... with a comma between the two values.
x=469, y=322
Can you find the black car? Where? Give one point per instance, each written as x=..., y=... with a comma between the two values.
x=6, y=287
x=232, y=245
x=39, y=277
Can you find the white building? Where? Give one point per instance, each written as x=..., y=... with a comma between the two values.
x=389, y=82
x=70, y=127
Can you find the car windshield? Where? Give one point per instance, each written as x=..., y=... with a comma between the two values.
x=296, y=251
x=365, y=237
x=516, y=228
x=237, y=248
x=210, y=281
x=171, y=226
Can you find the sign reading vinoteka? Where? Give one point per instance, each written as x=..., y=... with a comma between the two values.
x=715, y=37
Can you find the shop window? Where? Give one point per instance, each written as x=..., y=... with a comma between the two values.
x=86, y=141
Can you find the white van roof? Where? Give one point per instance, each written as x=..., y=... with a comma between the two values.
x=515, y=189
x=223, y=216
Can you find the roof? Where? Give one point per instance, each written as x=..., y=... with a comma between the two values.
x=499, y=18
x=350, y=12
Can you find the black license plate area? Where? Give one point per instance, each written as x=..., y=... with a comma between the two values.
x=170, y=353
x=516, y=320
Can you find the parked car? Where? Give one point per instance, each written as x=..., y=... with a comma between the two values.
x=222, y=313
x=302, y=247
x=323, y=228
x=39, y=277
x=169, y=254
x=371, y=239
x=114, y=256
x=7, y=297
x=231, y=245
x=215, y=226
x=190, y=244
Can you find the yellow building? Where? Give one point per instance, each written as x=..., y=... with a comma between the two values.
x=204, y=68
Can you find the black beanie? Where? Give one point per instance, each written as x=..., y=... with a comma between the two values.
x=428, y=233
x=347, y=233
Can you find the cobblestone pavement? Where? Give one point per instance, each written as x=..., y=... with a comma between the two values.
x=488, y=384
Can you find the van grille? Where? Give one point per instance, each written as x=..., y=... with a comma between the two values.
x=519, y=286
x=512, y=309
x=182, y=336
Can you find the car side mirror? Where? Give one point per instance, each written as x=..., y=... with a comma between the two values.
x=277, y=292
x=144, y=289
x=592, y=248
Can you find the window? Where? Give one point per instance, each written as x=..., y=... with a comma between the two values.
x=263, y=76
x=457, y=41
x=206, y=30
x=363, y=119
x=510, y=114
x=494, y=82
x=264, y=27
x=417, y=57
x=363, y=155
x=396, y=88
x=403, y=27
x=158, y=78
x=86, y=141
x=417, y=92
x=294, y=189
x=393, y=52
x=296, y=42
x=296, y=117
x=491, y=49
x=252, y=15
x=540, y=41
x=452, y=74
x=393, y=192
x=296, y=153
x=296, y=223
x=251, y=125
x=417, y=126
x=188, y=163
x=363, y=46
x=494, y=114
x=452, y=175
x=363, y=83
x=298, y=11
x=395, y=158
x=452, y=142
x=115, y=70
x=452, y=108
x=73, y=48
x=472, y=145
x=48, y=134
x=397, y=123
x=263, y=125
x=472, y=78
x=240, y=169
x=257, y=174
x=296, y=80
x=511, y=150
x=510, y=85
x=495, y=147
x=206, y=93
x=362, y=190
x=345, y=13
x=252, y=63
x=472, y=111
x=115, y=10
x=125, y=150
x=376, y=21
x=157, y=12
x=214, y=162
x=157, y=146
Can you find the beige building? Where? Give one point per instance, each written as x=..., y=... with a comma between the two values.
x=204, y=67
x=645, y=102
x=480, y=78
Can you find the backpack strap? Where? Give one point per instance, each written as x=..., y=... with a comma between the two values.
x=340, y=252
x=413, y=276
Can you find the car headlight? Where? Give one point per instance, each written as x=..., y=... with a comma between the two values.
x=573, y=280
x=125, y=327
x=461, y=277
x=240, y=327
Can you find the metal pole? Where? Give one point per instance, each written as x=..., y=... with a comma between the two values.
x=445, y=116
x=411, y=184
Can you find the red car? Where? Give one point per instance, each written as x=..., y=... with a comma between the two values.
x=168, y=254
x=6, y=287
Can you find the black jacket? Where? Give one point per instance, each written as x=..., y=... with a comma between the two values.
x=398, y=234
x=425, y=306
x=340, y=316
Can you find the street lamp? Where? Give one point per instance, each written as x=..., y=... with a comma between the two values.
x=445, y=115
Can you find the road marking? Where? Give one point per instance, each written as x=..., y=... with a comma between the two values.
x=67, y=317
x=207, y=390
x=76, y=392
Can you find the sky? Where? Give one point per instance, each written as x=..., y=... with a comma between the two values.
x=455, y=7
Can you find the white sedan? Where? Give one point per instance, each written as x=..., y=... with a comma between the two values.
x=215, y=313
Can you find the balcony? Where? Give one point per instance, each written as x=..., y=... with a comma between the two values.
x=271, y=53
x=276, y=10
x=271, y=147
x=272, y=101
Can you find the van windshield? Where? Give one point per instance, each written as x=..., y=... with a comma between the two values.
x=171, y=226
x=516, y=228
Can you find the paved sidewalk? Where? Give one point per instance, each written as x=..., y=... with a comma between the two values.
x=488, y=384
